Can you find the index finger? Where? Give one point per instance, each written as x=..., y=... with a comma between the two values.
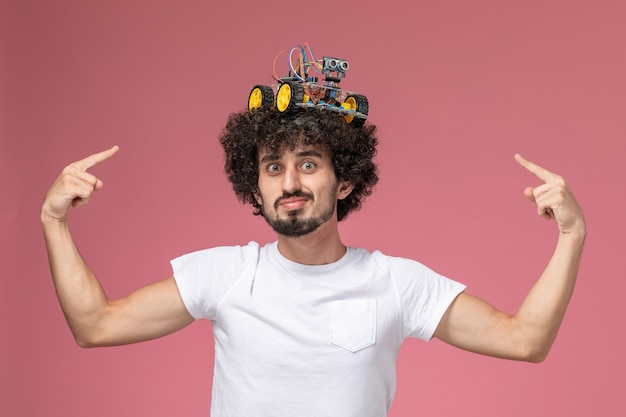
x=96, y=158
x=539, y=171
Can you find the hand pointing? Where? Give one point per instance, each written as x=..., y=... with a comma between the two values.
x=553, y=198
x=74, y=186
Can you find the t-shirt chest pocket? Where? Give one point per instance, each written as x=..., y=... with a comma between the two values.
x=353, y=323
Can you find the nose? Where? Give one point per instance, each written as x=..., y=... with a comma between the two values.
x=291, y=180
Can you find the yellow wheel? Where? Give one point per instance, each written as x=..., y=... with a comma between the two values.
x=261, y=95
x=357, y=104
x=288, y=96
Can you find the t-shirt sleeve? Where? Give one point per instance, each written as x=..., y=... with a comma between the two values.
x=424, y=296
x=206, y=276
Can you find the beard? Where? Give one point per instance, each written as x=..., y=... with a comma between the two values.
x=293, y=225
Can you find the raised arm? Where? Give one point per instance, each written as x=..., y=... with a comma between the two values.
x=149, y=312
x=474, y=325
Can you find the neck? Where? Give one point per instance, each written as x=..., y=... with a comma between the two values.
x=320, y=247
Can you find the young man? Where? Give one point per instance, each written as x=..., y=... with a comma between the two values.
x=305, y=325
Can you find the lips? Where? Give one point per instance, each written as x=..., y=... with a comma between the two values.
x=293, y=203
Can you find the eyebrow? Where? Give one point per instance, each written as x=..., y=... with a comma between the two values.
x=275, y=156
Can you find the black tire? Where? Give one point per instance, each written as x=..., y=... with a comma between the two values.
x=288, y=96
x=360, y=105
x=260, y=96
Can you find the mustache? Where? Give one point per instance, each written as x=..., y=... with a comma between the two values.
x=287, y=195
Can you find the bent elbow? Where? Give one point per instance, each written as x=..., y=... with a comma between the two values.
x=88, y=332
x=537, y=357
x=84, y=341
x=87, y=340
x=535, y=353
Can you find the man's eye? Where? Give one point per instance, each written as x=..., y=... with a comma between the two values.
x=308, y=165
x=273, y=168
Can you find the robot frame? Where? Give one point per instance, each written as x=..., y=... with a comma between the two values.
x=299, y=89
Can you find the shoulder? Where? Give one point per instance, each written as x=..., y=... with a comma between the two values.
x=220, y=255
x=408, y=273
x=251, y=247
x=205, y=276
x=396, y=264
x=393, y=267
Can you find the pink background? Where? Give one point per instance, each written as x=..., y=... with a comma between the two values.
x=456, y=88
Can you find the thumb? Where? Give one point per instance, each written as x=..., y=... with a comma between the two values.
x=98, y=185
x=528, y=192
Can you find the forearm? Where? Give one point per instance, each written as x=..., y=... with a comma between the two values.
x=473, y=324
x=149, y=312
x=543, y=309
x=81, y=296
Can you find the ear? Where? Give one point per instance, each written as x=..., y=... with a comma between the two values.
x=344, y=189
x=257, y=197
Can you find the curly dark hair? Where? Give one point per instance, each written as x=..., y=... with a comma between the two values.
x=351, y=149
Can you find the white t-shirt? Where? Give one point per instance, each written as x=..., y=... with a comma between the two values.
x=308, y=340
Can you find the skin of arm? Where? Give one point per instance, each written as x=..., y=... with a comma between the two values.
x=94, y=319
x=472, y=324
